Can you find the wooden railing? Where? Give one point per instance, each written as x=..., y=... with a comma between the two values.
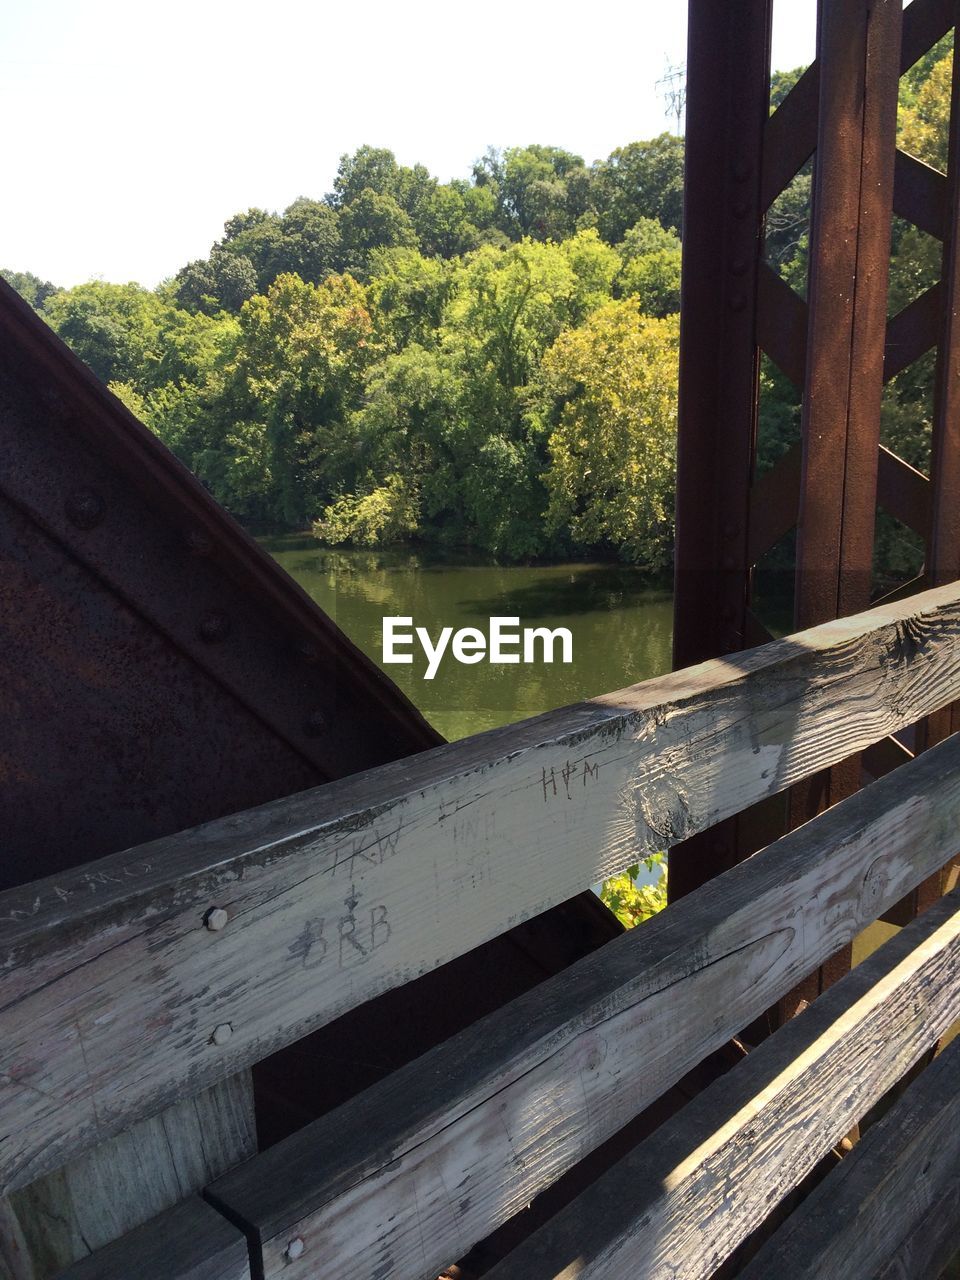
x=120, y=998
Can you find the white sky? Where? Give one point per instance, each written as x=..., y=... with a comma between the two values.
x=133, y=130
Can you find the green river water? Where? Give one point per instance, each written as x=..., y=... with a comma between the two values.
x=621, y=625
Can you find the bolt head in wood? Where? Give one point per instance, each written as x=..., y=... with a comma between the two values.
x=222, y=1033
x=216, y=919
x=295, y=1249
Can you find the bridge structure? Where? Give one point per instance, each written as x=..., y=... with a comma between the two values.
x=291, y=988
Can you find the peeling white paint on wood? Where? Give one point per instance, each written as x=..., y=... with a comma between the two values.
x=881, y=1193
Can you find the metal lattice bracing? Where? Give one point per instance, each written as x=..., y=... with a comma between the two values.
x=836, y=345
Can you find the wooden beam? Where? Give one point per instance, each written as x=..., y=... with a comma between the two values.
x=118, y=999
x=189, y=1242
x=880, y=1194
x=417, y=1169
x=128, y=1180
x=932, y=1246
x=681, y=1202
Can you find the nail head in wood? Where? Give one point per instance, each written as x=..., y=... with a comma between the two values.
x=216, y=919
x=222, y=1033
x=294, y=1249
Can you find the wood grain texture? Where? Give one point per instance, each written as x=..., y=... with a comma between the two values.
x=934, y=1243
x=189, y=1242
x=417, y=1169
x=879, y=1195
x=129, y=1179
x=117, y=1000
x=682, y=1201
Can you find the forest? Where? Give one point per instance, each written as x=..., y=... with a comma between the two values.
x=488, y=363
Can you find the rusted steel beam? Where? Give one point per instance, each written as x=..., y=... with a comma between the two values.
x=919, y=194
x=912, y=332
x=943, y=547
x=859, y=59
x=781, y=324
x=791, y=135
x=727, y=105
x=904, y=492
x=944, y=554
x=773, y=503
x=161, y=668
x=849, y=259
x=924, y=23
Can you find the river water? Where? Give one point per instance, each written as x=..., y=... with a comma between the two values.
x=621, y=625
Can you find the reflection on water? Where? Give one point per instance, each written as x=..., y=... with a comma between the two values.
x=621, y=625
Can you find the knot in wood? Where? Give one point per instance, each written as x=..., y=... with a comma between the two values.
x=295, y=1249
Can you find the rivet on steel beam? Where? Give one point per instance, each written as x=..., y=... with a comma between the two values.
x=216, y=919
x=84, y=508
x=52, y=399
x=309, y=651
x=737, y=301
x=222, y=1033
x=742, y=170
x=199, y=543
x=214, y=626
x=295, y=1249
x=315, y=724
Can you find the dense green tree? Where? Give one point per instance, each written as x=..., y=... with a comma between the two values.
x=373, y=221
x=115, y=328
x=409, y=292
x=311, y=241
x=650, y=267
x=297, y=373
x=488, y=362
x=443, y=224
x=368, y=169
x=30, y=287
x=608, y=390
x=640, y=180
x=541, y=192
x=224, y=281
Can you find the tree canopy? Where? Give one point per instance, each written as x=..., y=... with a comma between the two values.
x=488, y=362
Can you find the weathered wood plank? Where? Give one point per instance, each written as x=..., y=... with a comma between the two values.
x=116, y=998
x=434, y=1158
x=106, y=1192
x=933, y=1245
x=879, y=1195
x=682, y=1201
x=189, y=1242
